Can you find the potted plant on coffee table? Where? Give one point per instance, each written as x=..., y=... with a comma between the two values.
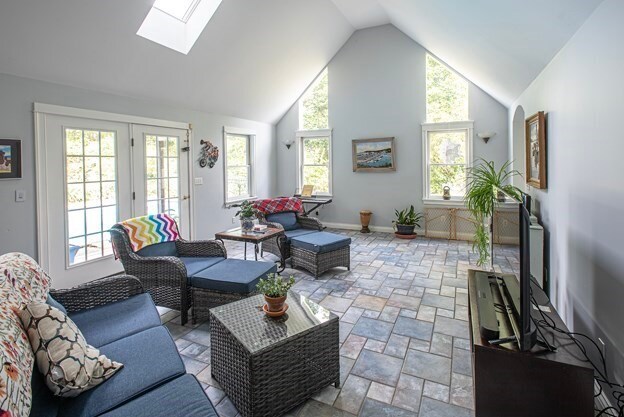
x=275, y=290
x=247, y=215
x=405, y=223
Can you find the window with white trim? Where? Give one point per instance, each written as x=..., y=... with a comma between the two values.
x=238, y=166
x=447, y=155
x=314, y=160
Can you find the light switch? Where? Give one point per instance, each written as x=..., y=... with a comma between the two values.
x=20, y=196
x=199, y=181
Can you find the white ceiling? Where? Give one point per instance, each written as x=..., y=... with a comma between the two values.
x=500, y=45
x=253, y=60
x=256, y=57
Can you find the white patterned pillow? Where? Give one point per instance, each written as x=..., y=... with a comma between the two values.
x=70, y=366
x=22, y=281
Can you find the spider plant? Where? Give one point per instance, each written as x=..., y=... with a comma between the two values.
x=484, y=180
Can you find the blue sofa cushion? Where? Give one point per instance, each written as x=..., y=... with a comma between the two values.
x=194, y=265
x=105, y=324
x=321, y=242
x=150, y=359
x=233, y=275
x=52, y=302
x=182, y=397
x=159, y=249
x=299, y=232
x=288, y=219
x=44, y=403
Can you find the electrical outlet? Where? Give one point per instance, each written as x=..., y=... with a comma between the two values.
x=20, y=196
x=199, y=181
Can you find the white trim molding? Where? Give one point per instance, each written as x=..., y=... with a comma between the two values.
x=379, y=229
x=227, y=130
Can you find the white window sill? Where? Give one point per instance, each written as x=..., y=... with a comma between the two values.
x=229, y=204
x=453, y=202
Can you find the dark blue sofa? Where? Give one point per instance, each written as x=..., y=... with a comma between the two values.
x=118, y=317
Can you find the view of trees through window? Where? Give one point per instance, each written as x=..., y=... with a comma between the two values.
x=315, y=167
x=447, y=101
x=314, y=105
x=238, y=167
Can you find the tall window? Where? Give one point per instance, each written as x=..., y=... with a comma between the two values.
x=314, y=105
x=163, y=182
x=315, y=161
x=238, y=167
x=447, y=93
x=447, y=135
x=91, y=193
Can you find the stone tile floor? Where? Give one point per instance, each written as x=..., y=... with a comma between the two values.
x=403, y=329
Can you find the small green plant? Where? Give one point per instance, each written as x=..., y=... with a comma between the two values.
x=246, y=210
x=408, y=217
x=481, y=198
x=274, y=286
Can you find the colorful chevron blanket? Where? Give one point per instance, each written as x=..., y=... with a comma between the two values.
x=149, y=230
x=278, y=205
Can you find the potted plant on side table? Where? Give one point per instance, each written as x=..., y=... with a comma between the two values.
x=405, y=223
x=275, y=290
x=247, y=215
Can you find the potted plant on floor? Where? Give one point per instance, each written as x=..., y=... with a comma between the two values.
x=275, y=290
x=484, y=193
x=247, y=215
x=406, y=221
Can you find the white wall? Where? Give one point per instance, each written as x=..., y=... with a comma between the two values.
x=377, y=89
x=17, y=220
x=582, y=92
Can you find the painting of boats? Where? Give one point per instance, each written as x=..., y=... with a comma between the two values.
x=373, y=155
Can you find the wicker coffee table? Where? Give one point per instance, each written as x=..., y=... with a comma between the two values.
x=268, y=366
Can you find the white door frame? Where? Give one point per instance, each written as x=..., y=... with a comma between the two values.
x=40, y=111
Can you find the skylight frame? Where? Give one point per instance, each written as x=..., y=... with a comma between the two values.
x=187, y=14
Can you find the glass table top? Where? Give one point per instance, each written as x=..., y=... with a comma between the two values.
x=246, y=321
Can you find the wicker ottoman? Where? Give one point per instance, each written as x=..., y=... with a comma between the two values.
x=268, y=366
x=320, y=251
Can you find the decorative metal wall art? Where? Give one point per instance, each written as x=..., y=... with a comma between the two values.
x=209, y=154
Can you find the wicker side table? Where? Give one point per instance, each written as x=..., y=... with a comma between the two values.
x=268, y=366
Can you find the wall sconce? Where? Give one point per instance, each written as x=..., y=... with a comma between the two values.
x=288, y=143
x=486, y=136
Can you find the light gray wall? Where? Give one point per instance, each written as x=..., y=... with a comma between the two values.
x=582, y=92
x=377, y=89
x=17, y=95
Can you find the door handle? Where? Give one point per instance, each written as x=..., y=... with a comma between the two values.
x=186, y=197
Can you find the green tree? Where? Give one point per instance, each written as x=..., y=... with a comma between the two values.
x=447, y=93
x=315, y=104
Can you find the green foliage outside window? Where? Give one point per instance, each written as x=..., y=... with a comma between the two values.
x=447, y=93
x=316, y=163
x=315, y=105
x=237, y=166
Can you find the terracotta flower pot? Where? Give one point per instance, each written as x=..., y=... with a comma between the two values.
x=275, y=304
x=365, y=217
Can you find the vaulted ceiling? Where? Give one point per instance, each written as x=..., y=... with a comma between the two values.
x=255, y=58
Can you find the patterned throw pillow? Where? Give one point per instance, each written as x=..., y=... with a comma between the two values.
x=22, y=281
x=70, y=366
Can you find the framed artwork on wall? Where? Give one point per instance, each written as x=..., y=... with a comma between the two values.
x=373, y=155
x=10, y=159
x=536, y=150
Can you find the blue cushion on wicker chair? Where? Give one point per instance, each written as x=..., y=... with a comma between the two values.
x=233, y=275
x=321, y=242
x=287, y=219
x=197, y=264
x=159, y=249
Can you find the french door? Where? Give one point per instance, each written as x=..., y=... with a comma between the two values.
x=94, y=173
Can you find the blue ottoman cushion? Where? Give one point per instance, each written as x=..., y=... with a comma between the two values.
x=287, y=219
x=321, y=242
x=233, y=276
x=150, y=359
x=105, y=324
x=197, y=264
x=166, y=400
x=290, y=234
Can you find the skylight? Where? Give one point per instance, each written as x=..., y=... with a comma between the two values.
x=177, y=24
x=180, y=9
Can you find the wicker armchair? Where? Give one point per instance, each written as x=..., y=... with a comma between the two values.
x=273, y=247
x=164, y=277
x=98, y=293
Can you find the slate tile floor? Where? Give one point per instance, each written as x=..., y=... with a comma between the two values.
x=403, y=329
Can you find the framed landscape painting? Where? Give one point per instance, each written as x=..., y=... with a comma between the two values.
x=536, y=150
x=10, y=158
x=373, y=155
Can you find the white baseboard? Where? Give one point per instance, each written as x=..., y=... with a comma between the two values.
x=382, y=229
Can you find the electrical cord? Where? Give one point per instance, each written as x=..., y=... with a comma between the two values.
x=603, y=373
